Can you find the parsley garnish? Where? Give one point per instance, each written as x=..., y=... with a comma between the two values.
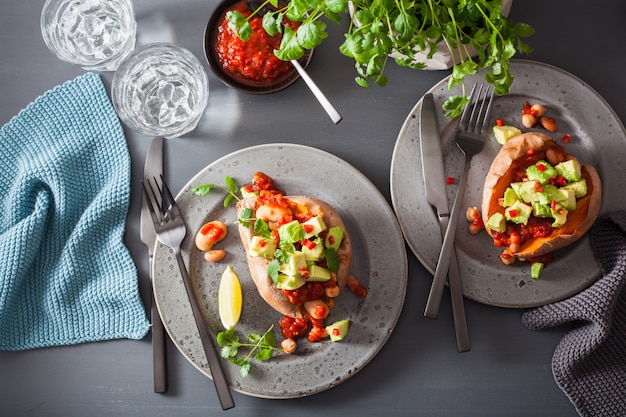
x=232, y=188
x=262, y=348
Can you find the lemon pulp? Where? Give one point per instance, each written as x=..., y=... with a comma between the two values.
x=229, y=298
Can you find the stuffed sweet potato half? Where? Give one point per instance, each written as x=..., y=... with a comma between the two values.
x=538, y=198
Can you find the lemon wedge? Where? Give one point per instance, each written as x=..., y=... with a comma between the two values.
x=229, y=298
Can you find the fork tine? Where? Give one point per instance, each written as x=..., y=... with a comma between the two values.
x=466, y=109
x=150, y=196
x=171, y=202
x=488, y=110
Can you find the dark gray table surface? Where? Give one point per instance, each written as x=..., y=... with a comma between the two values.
x=418, y=372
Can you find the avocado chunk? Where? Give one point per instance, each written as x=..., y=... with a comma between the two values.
x=570, y=169
x=315, y=252
x=338, y=330
x=535, y=270
x=518, y=213
x=295, y=265
x=541, y=210
x=527, y=191
x=247, y=192
x=333, y=237
x=559, y=214
x=579, y=187
x=497, y=222
x=291, y=232
x=289, y=282
x=549, y=193
x=569, y=202
x=541, y=172
x=504, y=133
x=510, y=197
x=313, y=227
x=262, y=247
x=318, y=274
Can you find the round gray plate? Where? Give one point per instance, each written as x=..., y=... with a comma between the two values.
x=598, y=138
x=380, y=264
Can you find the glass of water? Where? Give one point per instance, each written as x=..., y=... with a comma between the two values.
x=161, y=89
x=94, y=34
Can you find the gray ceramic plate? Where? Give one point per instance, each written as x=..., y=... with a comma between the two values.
x=379, y=262
x=598, y=138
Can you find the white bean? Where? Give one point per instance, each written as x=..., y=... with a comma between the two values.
x=317, y=309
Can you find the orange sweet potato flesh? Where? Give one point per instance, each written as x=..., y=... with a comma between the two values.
x=502, y=173
x=259, y=266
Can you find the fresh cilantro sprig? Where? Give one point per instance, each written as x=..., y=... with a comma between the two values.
x=381, y=27
x=261, y=346
x=231, y=189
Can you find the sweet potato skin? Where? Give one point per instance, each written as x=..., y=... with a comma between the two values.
x=259, y=266
x=501, y=174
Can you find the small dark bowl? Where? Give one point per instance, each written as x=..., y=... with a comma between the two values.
x=237, y=82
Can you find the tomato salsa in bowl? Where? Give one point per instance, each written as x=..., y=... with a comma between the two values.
x=249, y=66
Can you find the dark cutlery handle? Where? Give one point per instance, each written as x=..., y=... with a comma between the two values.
x=458, y=306
x=215, y=364
x=158, y=349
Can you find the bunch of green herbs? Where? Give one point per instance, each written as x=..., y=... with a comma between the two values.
x=402, y=28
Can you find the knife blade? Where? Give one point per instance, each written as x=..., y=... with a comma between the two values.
x=433, y=171
x=153, y=168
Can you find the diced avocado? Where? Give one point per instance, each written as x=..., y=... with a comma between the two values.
x=549, y=193
x=318, y=274
x=518, y=213
x=262, y=246
x=289, y=282
x=571, y=170
x=291, y=232
x=535, y=270
x=560, y=215
x=247, y=192
x=315, y=252
x=579, y=187
x=313, y=227
x=338, y=330
x=497, y=222
x=541, y=210
x=515, y=186
x=294, y=265
x=333, y=237
x=541, y=172
x=504, y=133
x=528, y=191
x=510, y=197
x=569, y=203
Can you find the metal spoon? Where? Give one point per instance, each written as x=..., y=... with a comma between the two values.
x=319, y=95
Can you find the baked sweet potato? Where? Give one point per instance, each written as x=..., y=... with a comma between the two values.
x=301, y=207
x=537, y=236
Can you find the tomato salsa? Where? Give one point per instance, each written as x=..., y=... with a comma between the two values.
x=254, y=59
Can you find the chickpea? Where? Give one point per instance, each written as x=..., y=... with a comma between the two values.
x=214, y=255
x=538, y=110
x=288, y=345
x=472, y=214
x=529, y=120
x=332, y=292
x=210, y=234
x=476, y=226
x=507, y=258
x=272, y=214
x=317, y=309
x=515, y=244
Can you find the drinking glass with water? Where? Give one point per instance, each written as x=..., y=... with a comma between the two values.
x=94, y=34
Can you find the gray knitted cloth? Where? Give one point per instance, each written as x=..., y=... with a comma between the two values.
x=589, y=363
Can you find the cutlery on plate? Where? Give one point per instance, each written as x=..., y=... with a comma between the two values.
x=171, y=230
x=154, y=167
x=435, y=184
x=470, y=138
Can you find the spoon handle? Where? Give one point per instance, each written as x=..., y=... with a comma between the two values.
x=326, y=104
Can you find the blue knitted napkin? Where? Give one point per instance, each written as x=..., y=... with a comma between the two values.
x=66, y=276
